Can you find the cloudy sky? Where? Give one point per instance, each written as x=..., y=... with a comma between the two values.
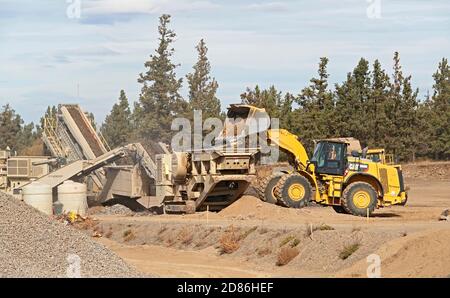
x=51, y=51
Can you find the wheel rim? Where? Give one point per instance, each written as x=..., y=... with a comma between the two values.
x=296, y=192
x=361, y=199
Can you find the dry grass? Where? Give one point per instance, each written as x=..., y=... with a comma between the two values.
x=87, y=223
x=286, y=240
x=263, y=251
x=201, y=243
x=128, y=235
x=286, y=254
x=263, y=230
x=109, y=234
x=209, y=231
x=229, y=241
x=308, y=231
x=349, y=249
x=248, y=232
x=162, y=229
x=356, y=229
x=312, y=228
x=323, y=227
x=186, y=236
x=294, y=242
x=170, y=240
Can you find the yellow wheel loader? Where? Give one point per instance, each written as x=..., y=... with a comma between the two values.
x=336, y=175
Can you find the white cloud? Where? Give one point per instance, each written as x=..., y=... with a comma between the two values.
x=103, y=7
x=269, y=7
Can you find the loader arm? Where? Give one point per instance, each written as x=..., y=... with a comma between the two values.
x=290, y=144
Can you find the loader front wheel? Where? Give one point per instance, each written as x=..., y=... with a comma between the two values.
x=293, y=191
x=359, y=198
x=266, y=188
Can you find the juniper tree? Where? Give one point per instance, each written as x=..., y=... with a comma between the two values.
x=440, y=112
x=315, y=117
x=160, y=101
x=352, y=97
x=117, y=126
x=203, y=88
x=13, y=132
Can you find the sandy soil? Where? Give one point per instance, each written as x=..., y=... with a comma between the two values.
x=410, y=240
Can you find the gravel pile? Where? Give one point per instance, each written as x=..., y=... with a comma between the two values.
x=116, y=210
x=35, y=245
x=119, y=209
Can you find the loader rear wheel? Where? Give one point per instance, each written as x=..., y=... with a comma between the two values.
x=293, y=191
x=359, y=197
x=266, y=188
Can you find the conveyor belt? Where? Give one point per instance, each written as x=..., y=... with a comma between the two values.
x=86, y=130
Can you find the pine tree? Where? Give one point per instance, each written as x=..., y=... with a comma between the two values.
x=315, y=118
x=13, y=132
x=378, y=122
x=26, y=138
x=202, y=88
x=117, y=127
x=440, y=112
x=270, y=99
x=285, y=111
x=352, y=98
x=10, y=128
x=160, y=101
x=91, y=119
x=402, y=110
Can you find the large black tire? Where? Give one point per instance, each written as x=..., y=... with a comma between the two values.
x=266, y=188
x=293, y=191
x=358, y=197
x=339, y=209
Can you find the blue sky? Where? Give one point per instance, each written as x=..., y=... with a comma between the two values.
x=46, y=51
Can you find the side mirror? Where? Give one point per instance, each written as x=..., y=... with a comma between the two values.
x=355, y=153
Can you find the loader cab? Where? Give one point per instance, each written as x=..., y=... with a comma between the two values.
x=330, y=157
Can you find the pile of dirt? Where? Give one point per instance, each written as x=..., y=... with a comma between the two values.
x=427, y=170
x=423, y=254
x=250, y=207
x=33, y=244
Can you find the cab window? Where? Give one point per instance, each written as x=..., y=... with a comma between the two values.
x=330, y=158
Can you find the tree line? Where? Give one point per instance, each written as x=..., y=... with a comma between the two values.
x=382, y=109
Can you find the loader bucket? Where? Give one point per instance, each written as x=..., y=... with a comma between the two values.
x=243, y=120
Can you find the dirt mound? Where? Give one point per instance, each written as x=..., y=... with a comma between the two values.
x=34, y=245
x=250, y=207
x=424, y=254
x=427, y=170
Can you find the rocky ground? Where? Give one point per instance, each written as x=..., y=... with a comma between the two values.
x=35, y=245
